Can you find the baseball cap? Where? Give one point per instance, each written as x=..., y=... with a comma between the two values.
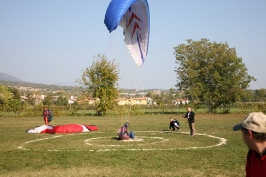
x=255, y=121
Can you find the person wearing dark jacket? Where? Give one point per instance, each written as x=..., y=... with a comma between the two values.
x=190, y=116
x=174, y=124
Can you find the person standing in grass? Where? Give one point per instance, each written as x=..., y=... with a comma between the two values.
x=46, y=115
x=190, y=116
x=253, y=129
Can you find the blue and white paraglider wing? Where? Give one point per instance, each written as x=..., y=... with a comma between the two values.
x=134, y=17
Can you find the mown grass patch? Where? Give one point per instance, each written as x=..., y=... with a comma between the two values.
x=155, y=152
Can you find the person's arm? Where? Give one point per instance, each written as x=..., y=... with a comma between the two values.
x=185, y=116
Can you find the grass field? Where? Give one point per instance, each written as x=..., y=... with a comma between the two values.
x=155, y=152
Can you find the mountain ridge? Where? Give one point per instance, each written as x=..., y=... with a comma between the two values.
x=7, y=77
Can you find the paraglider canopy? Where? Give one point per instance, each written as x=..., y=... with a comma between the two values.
x=134, y=17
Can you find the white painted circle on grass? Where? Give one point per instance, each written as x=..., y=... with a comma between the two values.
x=140, y=140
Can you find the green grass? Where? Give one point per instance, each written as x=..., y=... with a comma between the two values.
x=155, y=152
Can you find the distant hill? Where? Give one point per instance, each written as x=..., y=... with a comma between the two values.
x=8, y=80
x=6, y=77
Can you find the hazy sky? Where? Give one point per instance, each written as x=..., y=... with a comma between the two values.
x=52, y=41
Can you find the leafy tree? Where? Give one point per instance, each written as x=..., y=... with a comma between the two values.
x=14, y=92
x=211, y=73
x=4, y=96
x=151, y=95
x=14, y=103
x=62, y=101
x=172, y=95
x=248, y=96
x=260, y=95
x=28, y=94
x=48, y=100
x=158, y=99
x=101, y=82
x=16, y=106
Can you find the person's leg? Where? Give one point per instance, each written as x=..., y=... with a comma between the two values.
x=190, y=128
x=177, y=126
x=46, y=120
x=131, y=135
x=193, y=130
x=172, y=127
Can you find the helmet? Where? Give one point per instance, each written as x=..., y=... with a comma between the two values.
x=126, y=124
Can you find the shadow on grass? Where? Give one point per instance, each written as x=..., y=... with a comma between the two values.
x=116, y=138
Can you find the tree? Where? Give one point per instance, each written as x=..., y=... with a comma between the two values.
x=48, y=100
x=172, y=95
x=14, y=103
x=101, y=82
x=14, y=92
x=5, y=95
x=248, y=96
x=260, y=95
x=16, y=106
x=211, y=73
x=62, y=101
x=151, y=95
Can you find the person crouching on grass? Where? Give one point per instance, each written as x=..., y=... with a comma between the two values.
x=253, y=129
x=174, y=124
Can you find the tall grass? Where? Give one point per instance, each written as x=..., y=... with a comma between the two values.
x=155, y=152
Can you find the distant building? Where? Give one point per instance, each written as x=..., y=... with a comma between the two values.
x=88, y=100
x=132, y=101
x=180, y=101
x=122, y=101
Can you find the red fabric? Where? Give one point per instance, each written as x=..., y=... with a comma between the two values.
x=47, y=131
x=256, y=164
x=70, y=128
x=91, y=127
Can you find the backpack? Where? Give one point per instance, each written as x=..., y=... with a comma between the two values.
x=50, y=118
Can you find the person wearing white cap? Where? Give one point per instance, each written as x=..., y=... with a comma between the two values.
x=253, y=129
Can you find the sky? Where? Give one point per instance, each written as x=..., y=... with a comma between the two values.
x=53, y=41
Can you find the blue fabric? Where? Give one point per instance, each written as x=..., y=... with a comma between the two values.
x=115, y=11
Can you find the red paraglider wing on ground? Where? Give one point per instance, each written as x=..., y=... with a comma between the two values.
x=69, y=128
x=91, y=127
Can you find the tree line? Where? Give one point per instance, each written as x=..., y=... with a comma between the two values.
x=209, y=74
